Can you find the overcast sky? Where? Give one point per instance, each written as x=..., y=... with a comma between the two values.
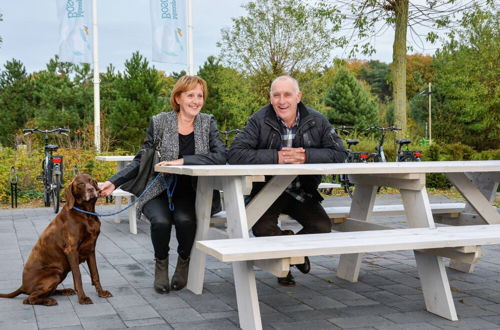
x=30, y=31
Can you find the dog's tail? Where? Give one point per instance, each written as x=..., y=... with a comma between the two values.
x=12, y=294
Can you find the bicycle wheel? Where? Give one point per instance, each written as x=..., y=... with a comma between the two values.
x=56, y=186
x=346, y=185
x=46, y=184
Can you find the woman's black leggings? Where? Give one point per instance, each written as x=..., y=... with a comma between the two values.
x=183, y=217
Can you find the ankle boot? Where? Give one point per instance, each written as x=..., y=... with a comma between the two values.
x=179, y=280
x=161, y=283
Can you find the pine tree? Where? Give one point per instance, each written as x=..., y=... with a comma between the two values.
x=348, y=103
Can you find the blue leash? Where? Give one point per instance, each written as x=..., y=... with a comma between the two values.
x=136, y=200
x=170, y=193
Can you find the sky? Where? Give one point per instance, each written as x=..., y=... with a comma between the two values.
x=30, y=32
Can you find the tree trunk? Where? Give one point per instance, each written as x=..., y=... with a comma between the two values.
x=399, y=65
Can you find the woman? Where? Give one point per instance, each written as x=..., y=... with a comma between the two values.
x=187, y=137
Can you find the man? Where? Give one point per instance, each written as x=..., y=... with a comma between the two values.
x=288, y=132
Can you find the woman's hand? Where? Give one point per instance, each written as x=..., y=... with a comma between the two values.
x=179, y=161
x=106, y=189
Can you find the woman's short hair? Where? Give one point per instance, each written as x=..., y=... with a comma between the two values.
x=184, y=84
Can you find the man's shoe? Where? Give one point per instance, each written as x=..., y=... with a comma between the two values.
x=305, y=267
x=287, y=280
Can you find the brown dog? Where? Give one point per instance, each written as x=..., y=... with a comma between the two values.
x=67, y=241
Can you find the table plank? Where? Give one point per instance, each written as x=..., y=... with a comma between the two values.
x=341, y=168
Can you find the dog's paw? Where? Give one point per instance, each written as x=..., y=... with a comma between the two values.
x=50, y=302
x=65, y=292
x=85, y=301
x=104, y=294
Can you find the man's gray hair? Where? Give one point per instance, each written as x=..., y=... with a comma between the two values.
x=293, y=80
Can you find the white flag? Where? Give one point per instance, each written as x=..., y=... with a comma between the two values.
x=168, y=18
x=75, y=20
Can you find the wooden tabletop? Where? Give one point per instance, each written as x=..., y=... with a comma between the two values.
x=341, y=168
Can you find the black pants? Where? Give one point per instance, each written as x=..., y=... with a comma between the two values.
x=310, y=214
x=183, y=217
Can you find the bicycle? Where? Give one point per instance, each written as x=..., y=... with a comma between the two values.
x=352, y=157
x=406, y=155
x=379, y=156
x=52, y=168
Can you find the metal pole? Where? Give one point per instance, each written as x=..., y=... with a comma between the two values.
x=97, y=105
x=430, y=117
x=190, y=38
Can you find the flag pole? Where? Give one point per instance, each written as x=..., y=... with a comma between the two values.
x=190, y=38
x=97, y=105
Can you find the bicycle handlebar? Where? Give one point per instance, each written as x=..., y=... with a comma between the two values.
x=59, y=130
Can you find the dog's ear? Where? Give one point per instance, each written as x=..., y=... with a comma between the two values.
x=70, y=198
x=96, y=185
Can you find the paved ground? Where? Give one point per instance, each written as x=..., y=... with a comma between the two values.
x=387, y=296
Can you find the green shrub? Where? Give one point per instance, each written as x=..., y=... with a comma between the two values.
x=29, y=166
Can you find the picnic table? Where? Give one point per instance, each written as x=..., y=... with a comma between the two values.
x=276, y=254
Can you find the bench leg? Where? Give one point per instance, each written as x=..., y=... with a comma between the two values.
x=431, y=270
x=132, y=218
x=118, y=207
x=361, y=209
x=196, y=274
x=246, y=295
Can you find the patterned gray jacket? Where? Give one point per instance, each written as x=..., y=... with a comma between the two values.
x=209, y=149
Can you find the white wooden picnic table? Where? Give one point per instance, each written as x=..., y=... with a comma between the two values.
x=408, y=177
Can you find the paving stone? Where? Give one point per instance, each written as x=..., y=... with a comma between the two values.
x=221, y=324
x=408, y=326
x=57, y=320
x=310, y=325
x=146, y=322
x=180, y=315
x=361, y=321
x=464, y=323
x=137, y=312
x=102, y=322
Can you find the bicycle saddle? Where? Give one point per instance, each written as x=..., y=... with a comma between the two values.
x=352, y=142
x=51, y=147
x=403, y=141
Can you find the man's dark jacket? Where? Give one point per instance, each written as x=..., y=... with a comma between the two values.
x=260, y=141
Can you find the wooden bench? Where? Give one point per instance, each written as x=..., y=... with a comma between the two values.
x=339, y=213
x=266, y=250
x=131, y=212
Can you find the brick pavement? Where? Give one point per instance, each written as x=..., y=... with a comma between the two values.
x=387, y=296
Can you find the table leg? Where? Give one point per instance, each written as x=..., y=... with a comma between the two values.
x=244, y=276
x=431, y=270
x=361, y=209
x=477, y=199
x=204, y=192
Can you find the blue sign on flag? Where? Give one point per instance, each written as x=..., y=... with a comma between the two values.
x=168, y=18
x=75, y=39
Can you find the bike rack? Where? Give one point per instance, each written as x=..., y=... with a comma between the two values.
x=13, y=186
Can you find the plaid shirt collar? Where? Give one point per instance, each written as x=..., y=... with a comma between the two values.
x=288, y=134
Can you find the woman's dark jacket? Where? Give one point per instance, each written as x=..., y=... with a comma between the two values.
x=260, y=141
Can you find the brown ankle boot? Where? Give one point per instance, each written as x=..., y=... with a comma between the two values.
x=179, y=280
x=161, y=283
